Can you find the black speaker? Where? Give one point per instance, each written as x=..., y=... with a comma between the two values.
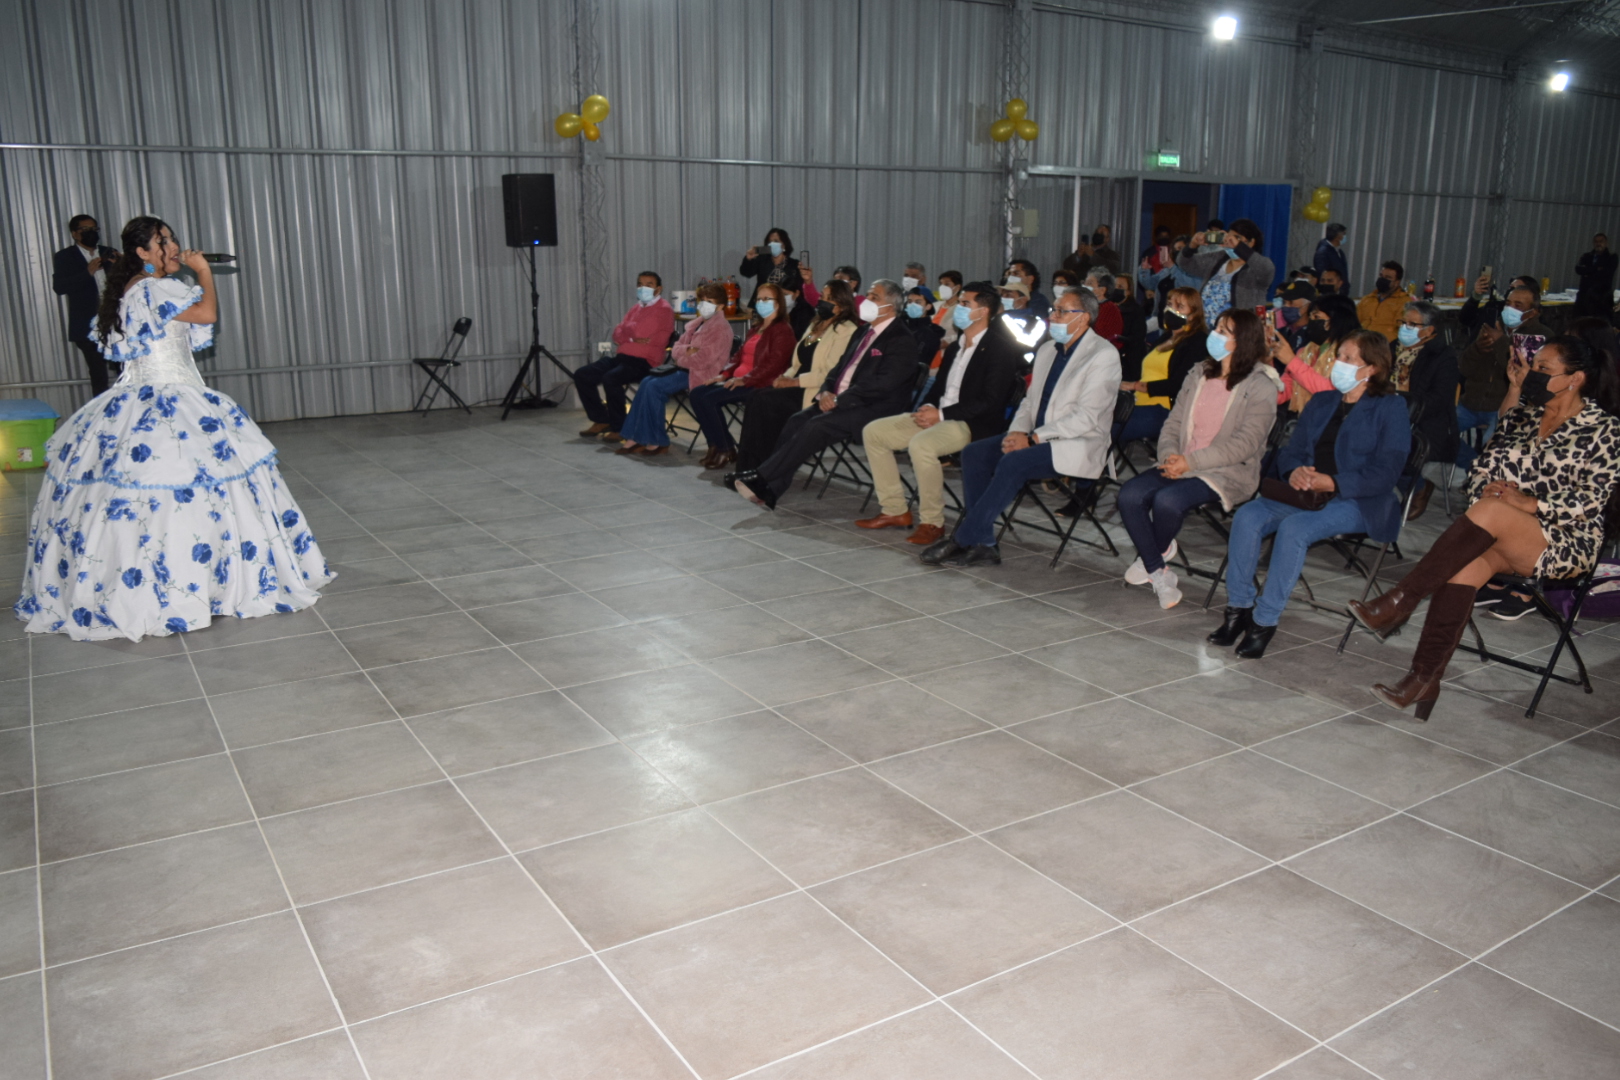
x=531, y=209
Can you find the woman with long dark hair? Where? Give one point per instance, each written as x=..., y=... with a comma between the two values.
x=162, y=506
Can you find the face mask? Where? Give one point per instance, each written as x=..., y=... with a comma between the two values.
x=1216, y=344
x=1231, y=253
x=1407, y=335
x=1116, y=295
x=914, y=311
x=1383, y=284
x=90, y=238
x=1316, y=332
x=962, y=316
x=707, y=308
x=1059, y=290
x=1290, y=314
x=1512, y=317
x=1014, y=279
x=788, y=301
x=869, y=309
x=1343, y=376
x=776, y=248
x=1172, y=320
x=1060, y=332
x=644, y=294
x=1327, y=290
x=945, y=292
x=1098, y=240
x=764, y=308
x=1006, y=303
x=909, y=282
x=1535, y=390
x=824, y=310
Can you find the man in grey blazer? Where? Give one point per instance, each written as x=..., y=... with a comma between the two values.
x=1062, y=427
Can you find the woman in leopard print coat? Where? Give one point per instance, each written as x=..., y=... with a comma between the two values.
x=1540, y=491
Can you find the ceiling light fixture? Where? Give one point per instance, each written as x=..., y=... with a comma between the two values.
x=1225, y=28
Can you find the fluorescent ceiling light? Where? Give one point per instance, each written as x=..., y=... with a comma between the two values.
x=1559, y=82
x=1225, y=28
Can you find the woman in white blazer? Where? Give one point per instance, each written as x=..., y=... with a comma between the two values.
x=1062, y=427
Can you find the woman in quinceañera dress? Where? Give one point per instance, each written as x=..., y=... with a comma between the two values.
x=162, y=507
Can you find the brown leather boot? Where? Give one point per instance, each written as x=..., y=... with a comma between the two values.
x=1450, y=608
x=1458, y=546
x=1420, y=501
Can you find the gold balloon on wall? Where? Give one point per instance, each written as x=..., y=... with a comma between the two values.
x=1015, y=122
x=1028, y=130
x=592, y=132
x=595, y=109
x=1322, y=196
x=1002, y=129
x=1316, y=212
x=568, y=124
x=1017, y=109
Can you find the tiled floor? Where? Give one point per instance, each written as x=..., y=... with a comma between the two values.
x=586, y=769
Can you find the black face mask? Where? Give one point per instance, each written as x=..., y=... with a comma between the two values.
x=1099, y=240
x=1316, y=333
x=1172, y=320
x=1327, y=290
x=824, y=310
x=90, y=238
x=1116, y=295
x=1383, y=284
x=1535, y=390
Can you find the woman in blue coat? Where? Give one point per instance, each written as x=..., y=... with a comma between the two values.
x=1347, y=452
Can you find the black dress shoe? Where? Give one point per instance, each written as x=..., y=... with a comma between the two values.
x=939, y=551
x=750, y=485
x=977, y=555
x=1238, y=621
x=730, y=479
x=1255, y=641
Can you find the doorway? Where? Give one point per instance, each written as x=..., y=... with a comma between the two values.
x=1181, y=207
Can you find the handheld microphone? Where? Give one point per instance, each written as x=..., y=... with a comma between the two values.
x=217, y=257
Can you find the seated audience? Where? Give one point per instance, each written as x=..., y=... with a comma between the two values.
x=874, y=378
x=1483, y=307
x=1023, y=270
x=1234, y=274
x=1483, y=366
x=916, y=277
x=1061, y=428
x=1015, y=303
x=640, y=338
x=703, y=350
x=1165, y=369
x=1290, y=318
x=1063, y=281
x=1540, y=491
x=1328, y=321
x=1380, y=309
x=773, y=263
x=1331, y=283
x=763, y=356
x=768, y=411
x=979, y=377
x=1133, y=316
x=1110, y=324
x=849, y=276
x=1339, y=471
x=1426, y=373
x=800, y=313
x=1209, y=449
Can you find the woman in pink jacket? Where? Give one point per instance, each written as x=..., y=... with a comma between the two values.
x=703, y=350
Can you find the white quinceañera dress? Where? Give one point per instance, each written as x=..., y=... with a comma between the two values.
x=162, y=507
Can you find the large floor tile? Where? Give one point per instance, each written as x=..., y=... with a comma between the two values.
x=1479, y=1025
x=1589, y=765
x=1124, y=854
x=793, y=672
x=472, y=591
x=300, y=773
x=652, y=701
x=745, y=988
x=931, y=1043
x=1376, y=760
x=22, y=1027
x=449, y=681
x=666, y=599
x=136, y=894
x=55, y=653
x=1312, y=957
x=1453, y=890
x=599, y=654
x=639, y=879
x=986, y=781
x=1120, y=1007
x=1571, y=957
x=1119, y=661
x=1122, y=741
x=736, y=755
x=186, y=1002
x=329, y=1056
x=16, y=759
x=530, y=620
x=916, y=647
x=506, y=732
x=565, y=1023
x=129, y=740
x=248, y=667
x=1009, y=689
x=422, y=638
x=606, y=571
x=400, y=945
x=1236, y=706
x=1485, y=727
x=840, y=611
x=1023, y=624
x=19, y=922
x=273, y=713
x=1321, y=1064
x=83, y=816
x=775, y=580
x=114, y=689
x=710, y=634
x=17, y=846
x=878, y=721
x=347, y=610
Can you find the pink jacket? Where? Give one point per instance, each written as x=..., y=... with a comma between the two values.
x=654, y=322
x=704, y=349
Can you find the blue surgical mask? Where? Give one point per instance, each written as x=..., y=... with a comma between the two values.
x=962, y=316
x=644, y=294
x=1511, y=317
x=914, y=311
x=776, y=248
x=764, y=308
x=1216, y=344
x=1230, y=253
x=1006, y=303
x=1343, y=376
x=1059, y=332
x=1407, y=335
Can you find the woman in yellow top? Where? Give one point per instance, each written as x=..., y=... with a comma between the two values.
x=1166, y=367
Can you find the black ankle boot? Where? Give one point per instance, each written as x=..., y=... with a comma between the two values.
x=1255, y=641
x=1238, y=621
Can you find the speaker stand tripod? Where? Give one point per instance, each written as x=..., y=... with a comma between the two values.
x=531, y=362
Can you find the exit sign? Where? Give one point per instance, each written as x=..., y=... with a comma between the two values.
x=1168, y=159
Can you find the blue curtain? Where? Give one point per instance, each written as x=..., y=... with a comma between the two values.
x=1268, y=206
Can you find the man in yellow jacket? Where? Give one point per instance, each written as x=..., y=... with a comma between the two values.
x=1381, y=309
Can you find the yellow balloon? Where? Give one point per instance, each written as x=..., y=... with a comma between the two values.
x=1322, y=196
x=568, y=124
x=1028, y=130
x=1315, y=212
x=592, y=132
x=1002, y=130
x=595, y=108
x=1017, y=110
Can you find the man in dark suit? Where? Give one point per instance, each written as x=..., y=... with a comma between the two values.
x=874, y=378
x=78, y=273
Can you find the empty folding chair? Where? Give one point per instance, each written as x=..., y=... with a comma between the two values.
x=435, y=368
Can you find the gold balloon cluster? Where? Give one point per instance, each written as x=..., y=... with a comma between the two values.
x=1317, y=208
x=1016, y=122
x=592, y=111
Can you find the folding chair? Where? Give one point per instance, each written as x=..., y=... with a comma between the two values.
x=1085, y=500
x=1281, y=432
x=436, y=365
x=1415, y=461
x=1124, y=406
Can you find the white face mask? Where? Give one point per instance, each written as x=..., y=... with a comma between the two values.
x=706, y=308
x=945, y=292
x=1014, y=279
x=787, y=301
x=644, y=294
x=909, y=282
x=1059, y=290
x=869, y=309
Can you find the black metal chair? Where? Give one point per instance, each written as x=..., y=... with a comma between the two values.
x=1081, y=500
x=436, y=366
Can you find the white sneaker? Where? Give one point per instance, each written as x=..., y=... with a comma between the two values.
x=1136, y=573
x=1164, y=587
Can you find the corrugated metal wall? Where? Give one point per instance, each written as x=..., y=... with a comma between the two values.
x=350, y=152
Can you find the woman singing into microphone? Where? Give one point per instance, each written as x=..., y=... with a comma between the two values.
x=162, y=507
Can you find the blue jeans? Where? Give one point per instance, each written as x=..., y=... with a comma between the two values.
x=706, y=401
x=1153, y=509
x=1466, y=419
x=1296, y=531
x=645, y=424
x=1145, y=423
x=991, y=480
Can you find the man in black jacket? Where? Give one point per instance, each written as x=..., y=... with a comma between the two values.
x=1596, y=268
x=874, y=378
x=979, y=377
x=78, y=274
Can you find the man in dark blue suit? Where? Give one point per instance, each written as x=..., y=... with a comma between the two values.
x=79, y=274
